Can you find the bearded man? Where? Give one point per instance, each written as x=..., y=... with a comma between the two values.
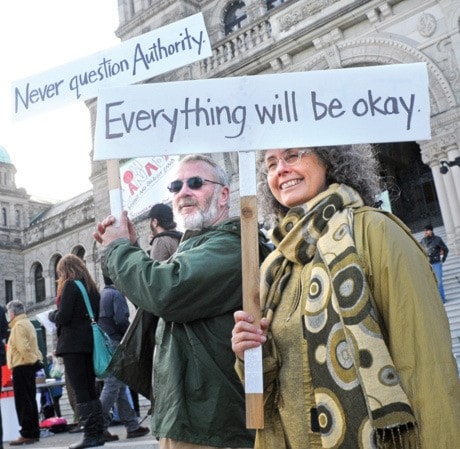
x=199, y=401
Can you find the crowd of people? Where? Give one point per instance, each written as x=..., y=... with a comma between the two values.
x=355, y=339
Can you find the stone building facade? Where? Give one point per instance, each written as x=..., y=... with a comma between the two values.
x=254, y=37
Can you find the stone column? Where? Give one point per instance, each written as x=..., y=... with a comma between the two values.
x=431, y=155
x=445, y=148
x=30, y=290
x=48, y=284
x=444, y=191
x=452, y=154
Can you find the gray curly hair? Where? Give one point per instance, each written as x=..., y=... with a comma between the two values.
x=353, y=165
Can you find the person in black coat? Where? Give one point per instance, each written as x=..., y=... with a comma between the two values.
x=75, y=345
x=3, y=338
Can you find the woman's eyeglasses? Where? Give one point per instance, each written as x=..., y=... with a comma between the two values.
x=195, y=183
x=289, y=157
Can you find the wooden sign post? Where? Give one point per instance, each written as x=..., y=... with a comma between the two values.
x=114, y=184
x=251, y=300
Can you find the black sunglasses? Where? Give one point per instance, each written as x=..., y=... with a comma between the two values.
x=194, y=183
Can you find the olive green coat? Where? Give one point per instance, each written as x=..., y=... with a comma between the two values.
x=417, y=335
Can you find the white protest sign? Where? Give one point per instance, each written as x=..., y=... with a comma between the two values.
x=144, y=182
x=356, y=105
x=145, y=56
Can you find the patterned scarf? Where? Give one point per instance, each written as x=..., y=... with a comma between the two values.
x=359, y=400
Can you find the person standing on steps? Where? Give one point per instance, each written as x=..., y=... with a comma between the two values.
x=436, y=251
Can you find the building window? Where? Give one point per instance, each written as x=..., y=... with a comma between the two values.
x=4, y=217
x=274, y=3
x=80, y=252
x=18, y=218
x=39, y=282
x=8, y=291
x=56, y=276
x=235, y=17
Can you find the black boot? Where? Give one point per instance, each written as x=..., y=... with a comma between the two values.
x=93, y=433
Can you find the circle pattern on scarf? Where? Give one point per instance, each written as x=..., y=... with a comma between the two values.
x=329, y=211
x=320, y=354
x=365, y=358
x=340, y=361
x=317, y=300
x=366, y=435
x=370, y=327
x=331, y=418
x=341, y=232
x=388, y=376
x=349, y=287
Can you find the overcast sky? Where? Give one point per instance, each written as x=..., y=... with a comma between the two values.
x=50, y=150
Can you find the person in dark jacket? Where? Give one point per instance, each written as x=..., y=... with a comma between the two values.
x=3, y=339
x=198, y=397
x=436, y=251
x=114, y=320
x=75, y=345
x=164, y=240
x=164, y=237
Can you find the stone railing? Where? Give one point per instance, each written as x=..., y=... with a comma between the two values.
x=235, y=46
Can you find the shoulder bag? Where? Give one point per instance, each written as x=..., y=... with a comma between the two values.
x=102, y=349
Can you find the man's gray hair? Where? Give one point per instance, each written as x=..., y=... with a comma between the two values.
x=219, y=172
x=16, y=306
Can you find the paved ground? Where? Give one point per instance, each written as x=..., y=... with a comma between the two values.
x=64, y=439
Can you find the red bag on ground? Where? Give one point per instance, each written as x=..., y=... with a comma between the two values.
x=54, y=424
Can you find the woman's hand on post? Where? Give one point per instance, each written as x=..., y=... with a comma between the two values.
x=246, y=335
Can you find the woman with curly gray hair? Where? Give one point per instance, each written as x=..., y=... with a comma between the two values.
x=353, y=165
x=357, y=350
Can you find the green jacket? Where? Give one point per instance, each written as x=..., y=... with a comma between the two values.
x=198, y=396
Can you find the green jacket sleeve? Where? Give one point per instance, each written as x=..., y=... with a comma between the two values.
x=185, y=287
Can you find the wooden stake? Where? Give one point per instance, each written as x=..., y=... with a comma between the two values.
x=251, y=299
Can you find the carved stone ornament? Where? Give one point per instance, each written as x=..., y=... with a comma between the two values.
x=426, y=25
x=297, y=15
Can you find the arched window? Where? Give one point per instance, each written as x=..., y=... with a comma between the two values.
x=39, y=282
x=80, y=252
x=274, y=3
x=8, y=291
x=235, y=17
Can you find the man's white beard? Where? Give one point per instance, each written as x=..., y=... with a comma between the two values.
x=201, y=219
